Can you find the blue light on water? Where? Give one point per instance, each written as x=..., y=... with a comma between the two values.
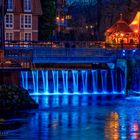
x=124, y=51
x=75, y=82
x=134, y=51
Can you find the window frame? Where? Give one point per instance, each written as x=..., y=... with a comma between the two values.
x=25, y=35
x=23, y=23
x=10, y=23
x=27, y=4
x=9, y=32
x=10, y=5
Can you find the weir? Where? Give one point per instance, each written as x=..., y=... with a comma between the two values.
x=51, y=82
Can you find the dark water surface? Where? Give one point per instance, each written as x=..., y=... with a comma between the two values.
x=110, y=121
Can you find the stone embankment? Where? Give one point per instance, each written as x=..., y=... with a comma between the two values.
x=15, y=98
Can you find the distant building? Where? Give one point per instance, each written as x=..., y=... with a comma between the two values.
x=122, y=33
x=119, y=32
x=21, y=20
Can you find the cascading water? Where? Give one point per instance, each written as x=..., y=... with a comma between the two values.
x=104, y=80
x=35, y=81
x=65, y=81
x=45, y=81
x=55, y=81
x=84, y=80
x=95, y=81
x=24, y=76
x=75, y=81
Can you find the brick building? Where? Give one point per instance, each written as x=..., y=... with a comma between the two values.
x=21, y=20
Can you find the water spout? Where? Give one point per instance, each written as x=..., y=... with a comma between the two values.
x=75, y=81
x=55, y=81
x=95, y=81
x=65, y=81
x=45, y=81
x=35, y=81
x=84, y=80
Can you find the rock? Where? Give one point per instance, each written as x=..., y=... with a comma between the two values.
x=15, y=98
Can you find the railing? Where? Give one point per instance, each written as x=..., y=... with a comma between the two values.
x=69, y=44
x=43, y=54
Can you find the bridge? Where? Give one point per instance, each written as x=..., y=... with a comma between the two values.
x=47, y=55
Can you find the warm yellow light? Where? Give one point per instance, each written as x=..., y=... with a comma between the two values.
x=62, y=19
x=122, y=34
x=116, y=34
x=57, y=18
x=136, y=31
x=134, y=22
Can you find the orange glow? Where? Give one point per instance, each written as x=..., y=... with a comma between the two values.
x=62, y=19
x=112, y=127
x=57, y=18
x=136, y=31
x=116, y=34
x=122, y=34
x=135, y=24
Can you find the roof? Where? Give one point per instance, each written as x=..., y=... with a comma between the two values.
x=135, y=24
x=119, y=26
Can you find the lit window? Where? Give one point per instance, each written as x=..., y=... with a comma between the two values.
x=27, y=5
x=8, y=36
x=26, y=21
x=9, y=18
x=9, y=5
x=27, y=36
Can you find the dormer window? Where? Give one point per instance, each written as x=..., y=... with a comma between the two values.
x=10, y=5
x=27, y=5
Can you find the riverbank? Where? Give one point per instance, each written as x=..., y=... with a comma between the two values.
x=15, y=98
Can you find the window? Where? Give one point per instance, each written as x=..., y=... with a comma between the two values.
x=9, y=19
x=9, y=36
x=28, y=36
x=26, y=21
x=27, y=5
x=9, y=5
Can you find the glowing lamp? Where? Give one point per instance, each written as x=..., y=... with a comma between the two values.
x=122, y=34
x=62, y=19
x=57, y=18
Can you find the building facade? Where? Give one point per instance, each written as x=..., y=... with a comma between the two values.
x=21, y=20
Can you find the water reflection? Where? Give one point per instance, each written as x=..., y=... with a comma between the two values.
x=112, y=127
x=79, y=122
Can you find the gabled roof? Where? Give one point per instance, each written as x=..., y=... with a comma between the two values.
x=135, y=24
x=119, y=26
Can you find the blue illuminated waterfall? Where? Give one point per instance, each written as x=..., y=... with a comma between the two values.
x=24, y=76
x=94, y=80
x=84, y=80
x=73, y=81
x=104, y=80
x=45, y=81
x=35, y=81
x=55, y=81
x=65, y=81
